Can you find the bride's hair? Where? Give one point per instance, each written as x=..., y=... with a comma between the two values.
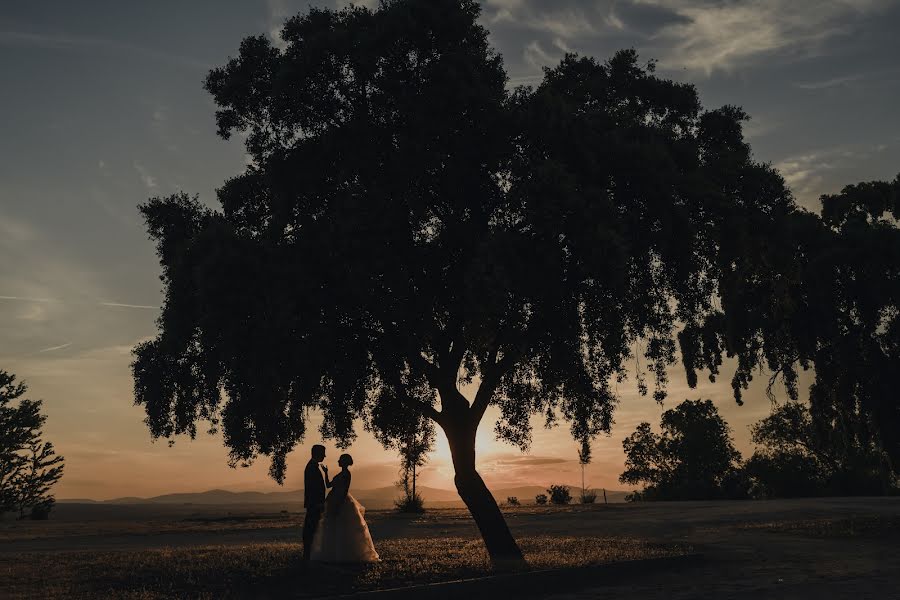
x=345, y=459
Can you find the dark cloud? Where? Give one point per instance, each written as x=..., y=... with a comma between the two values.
x=646, y=19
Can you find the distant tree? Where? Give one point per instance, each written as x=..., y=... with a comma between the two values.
x=412, y=435
x=407, y=224
x=512, y=501
x=584, y=459
x=559, y=494
x=540, y=499
x=39, y=473
x=28, y=466
x=798, y=455
x=693, y=457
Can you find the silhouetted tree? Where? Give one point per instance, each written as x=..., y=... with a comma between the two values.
x=584, y=459
x=414, y=445
x=693, y=457
x=406, y=225
x=559, y=494
x=854, y=395
x=40, y=472
x=540, y=499
x=28, y=466
x=801, y=456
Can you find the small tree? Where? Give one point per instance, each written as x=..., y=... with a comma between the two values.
x=28, y=466
x=512, y=501
x=584, y=459
x=559, y=494
x=692, y=458
x=540, y=499
x=412, y=435
x=40, y=472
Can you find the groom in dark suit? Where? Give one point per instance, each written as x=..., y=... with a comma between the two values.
x=313, y=496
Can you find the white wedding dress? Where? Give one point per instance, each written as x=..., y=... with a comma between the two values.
x=343, y=535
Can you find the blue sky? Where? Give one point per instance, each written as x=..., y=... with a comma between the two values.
x=102, y=107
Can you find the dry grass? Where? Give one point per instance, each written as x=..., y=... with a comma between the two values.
x=12, y=530
x=869, y=526
x=273, y=570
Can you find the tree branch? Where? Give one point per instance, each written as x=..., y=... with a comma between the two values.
x=413, y=403
x=427, y=367
x=491, y=376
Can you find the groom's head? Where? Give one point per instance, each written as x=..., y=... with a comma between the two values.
x=318, y=453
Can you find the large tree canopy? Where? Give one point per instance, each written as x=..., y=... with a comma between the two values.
x=408, y=224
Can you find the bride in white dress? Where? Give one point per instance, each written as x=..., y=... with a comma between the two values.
x=343, y=535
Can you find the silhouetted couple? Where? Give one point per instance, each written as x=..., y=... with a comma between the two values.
x=334, y=529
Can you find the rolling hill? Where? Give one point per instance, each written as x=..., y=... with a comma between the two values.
x=373, y=498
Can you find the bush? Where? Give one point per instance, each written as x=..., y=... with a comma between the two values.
x=541, y=498
x=410, y=504
x=589, y=497
x=41, y=512
x=785, y=474
x=559, y=494
x=513, y=501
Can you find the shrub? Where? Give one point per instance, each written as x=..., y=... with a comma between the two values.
x=559, y=494
x=541, y=498
x=589, y=497
x=410, y=504
x=785, y=474
x=41, y=512
x=513, y=501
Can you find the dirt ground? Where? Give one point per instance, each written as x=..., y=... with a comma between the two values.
x=791, y=549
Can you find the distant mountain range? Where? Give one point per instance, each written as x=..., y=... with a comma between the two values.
x=373, y=498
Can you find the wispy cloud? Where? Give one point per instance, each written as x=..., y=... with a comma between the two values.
x=833, y=82
x=829, y=83
x=27, y=299
x=121, y=305
x=59, y=41
x=732, y=34
x=54, y=300
x=568, y=19
x=160, y=114
x=825, y=170
x=55, y=348
x=147, y=179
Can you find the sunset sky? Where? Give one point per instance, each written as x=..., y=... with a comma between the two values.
x=102, y=107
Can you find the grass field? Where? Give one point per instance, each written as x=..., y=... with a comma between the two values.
x=757, y=549
x=273, y=570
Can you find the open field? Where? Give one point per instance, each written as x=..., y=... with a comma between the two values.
x=841, y=548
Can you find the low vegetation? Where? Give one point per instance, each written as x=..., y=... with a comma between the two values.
x=559, y=494
x=273, y=570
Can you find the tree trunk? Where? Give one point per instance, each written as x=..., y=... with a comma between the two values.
x=582, y=483
x=500, y=544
